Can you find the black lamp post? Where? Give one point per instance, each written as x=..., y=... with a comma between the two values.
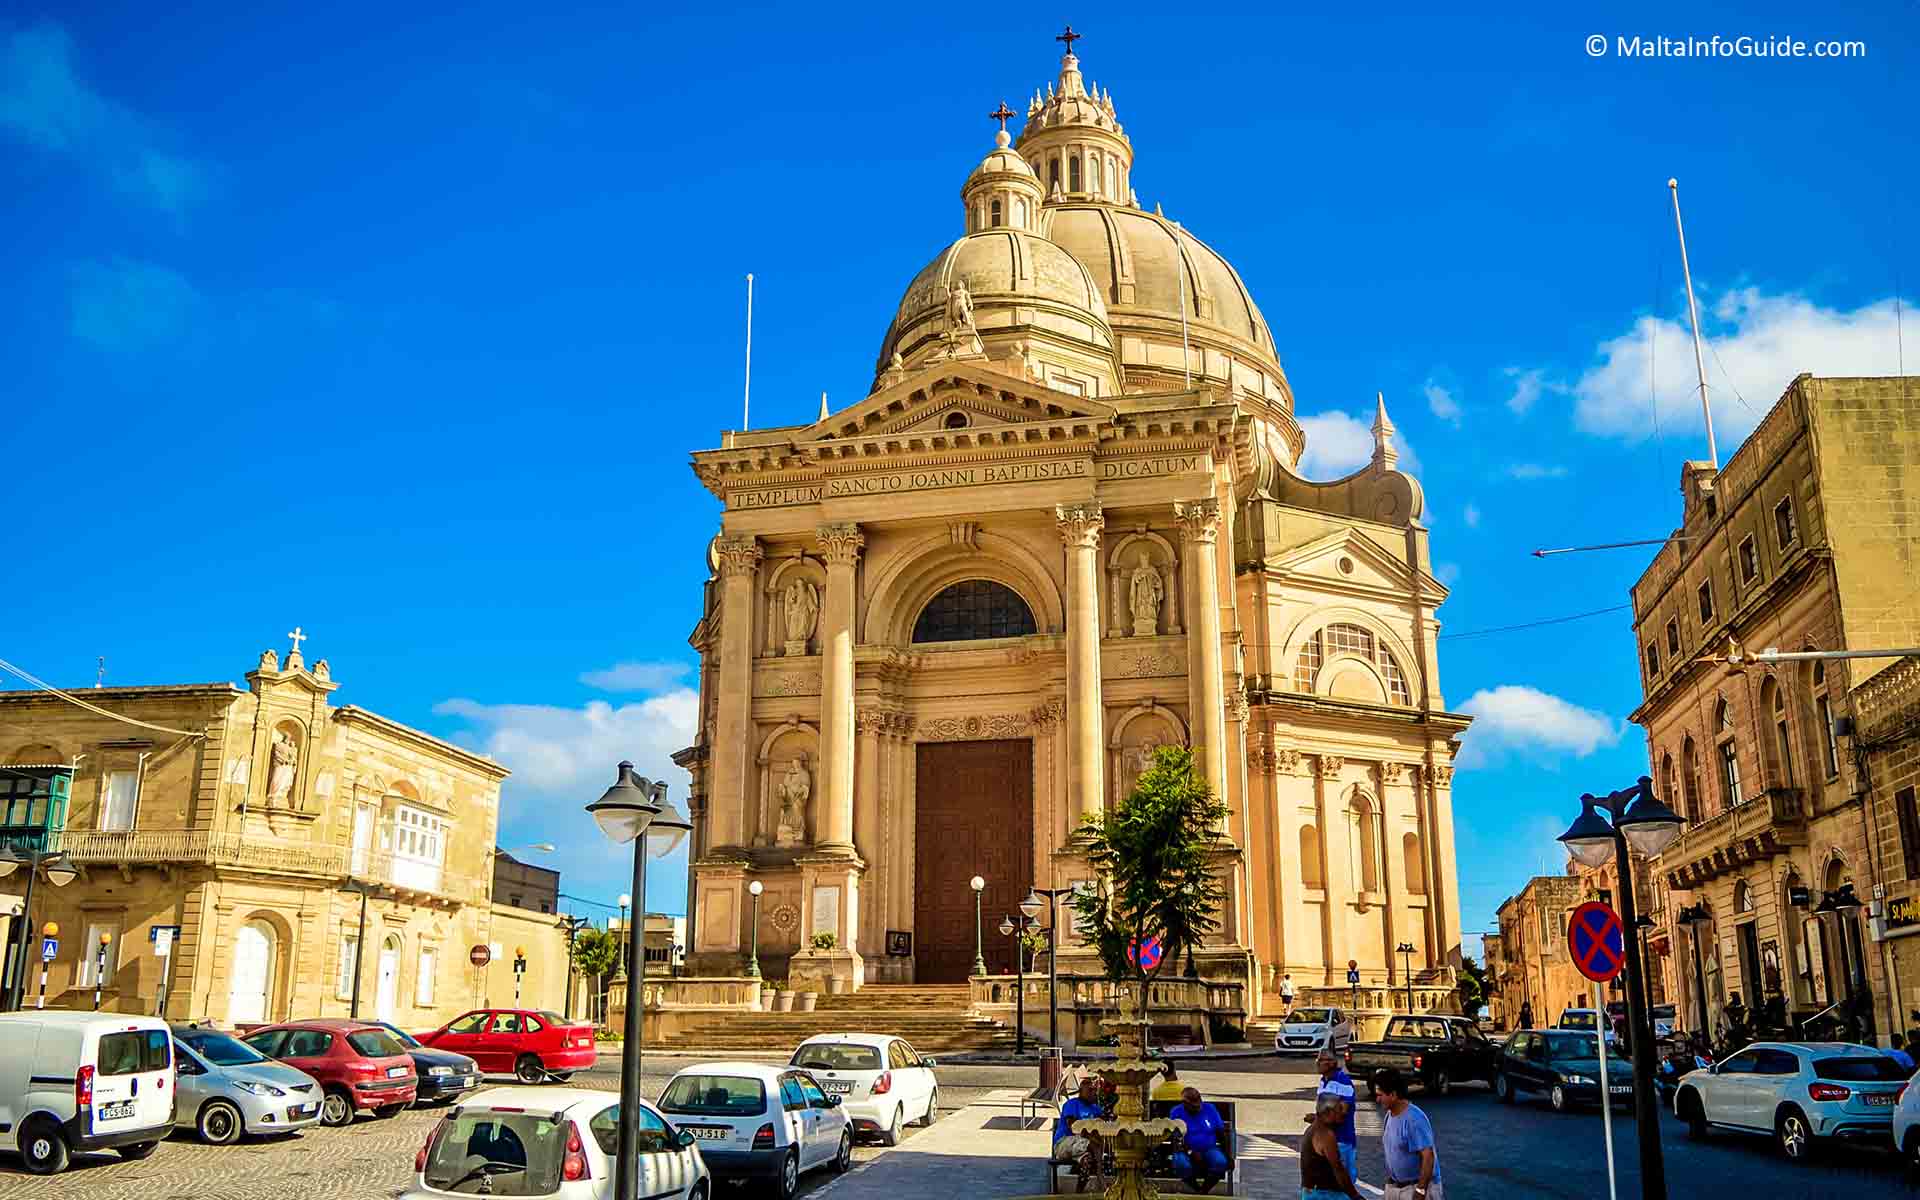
x=1405, y=951
x=1838, y=903
x=1049, y=899
x=1639, y=823
x=1017, y=930
x=60, y=873
x=635, y=810
x=1694, y=916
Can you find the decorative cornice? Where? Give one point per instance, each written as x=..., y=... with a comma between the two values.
x=1199, y=519
x=738, y=555
x=1079, y=524
x=973, y=728
x=840, y=543
x=1048, y=715
x=885, y=722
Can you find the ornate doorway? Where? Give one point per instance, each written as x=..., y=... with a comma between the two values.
x=973, y=815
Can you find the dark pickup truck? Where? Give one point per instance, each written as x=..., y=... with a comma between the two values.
x=1435, y=1051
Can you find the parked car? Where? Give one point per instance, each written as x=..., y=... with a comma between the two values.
x=1311, y=1030
x=539, y=1142
x=444, y=1076
x=1438, y=1051
x=534, y=1045
x=881, y=1082
x=1587, y=1020
x=229, y=1089
x=83, y=1081
x=1906, y=1126
x=1562, y=1065
x=359, y=1065
x=1799, y=1092
x=753, y=1121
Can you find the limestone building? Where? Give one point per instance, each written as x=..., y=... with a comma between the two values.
x=1804, y=540
x=255, y=820
x=1066, y=526
x=1537, y=971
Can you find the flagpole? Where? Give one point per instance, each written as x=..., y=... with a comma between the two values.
x=746, y=395
x=1693, y=312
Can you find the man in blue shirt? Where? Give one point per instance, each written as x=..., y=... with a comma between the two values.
x=1413, y=1162
x=1201, y=1159
x=1334, y=1081
x=1082, y=1150
x=1904, y=1058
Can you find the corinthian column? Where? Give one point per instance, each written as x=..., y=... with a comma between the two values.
x=1206, y=686
x=1080, y=529
x=728, y=798
x=840, y=546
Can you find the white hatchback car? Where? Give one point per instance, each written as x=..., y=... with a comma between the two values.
x=881, y=1081
x=1799, y=1092
x=1906, y=1125
x=532, y=1141
x=1310, y=1030
x=754, y=1121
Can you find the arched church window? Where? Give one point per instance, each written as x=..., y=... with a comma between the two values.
x=1342, y=638
x=1310, y=857
x=1053, y=174
x=1366, y=837
x=971, y=610
x=1073, y=173
x=1020, y=212
x=1093, y=164
x=996, y=212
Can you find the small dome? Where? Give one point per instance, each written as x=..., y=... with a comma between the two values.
x=1002, y=161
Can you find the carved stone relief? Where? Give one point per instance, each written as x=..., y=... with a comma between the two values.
x=968, y=729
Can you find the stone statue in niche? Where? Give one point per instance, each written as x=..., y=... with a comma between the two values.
x=285, y=757
x=801, y=601
x=796, y=787
x=1144, y=594
x=1134, y=762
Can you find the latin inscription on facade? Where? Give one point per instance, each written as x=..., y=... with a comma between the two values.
x=985, y=475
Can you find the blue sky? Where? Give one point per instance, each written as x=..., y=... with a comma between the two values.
x=400, y=326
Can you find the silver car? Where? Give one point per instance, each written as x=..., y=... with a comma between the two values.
x=227, y=1088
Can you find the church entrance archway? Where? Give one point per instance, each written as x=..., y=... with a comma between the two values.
x=973, y=804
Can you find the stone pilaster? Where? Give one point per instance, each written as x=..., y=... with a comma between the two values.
x=732, y=750
x=1199, y=536
x=1080, y=526
x=840, y=545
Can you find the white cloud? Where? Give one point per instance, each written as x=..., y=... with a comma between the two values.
x=1537, y=471
x=1447, y=573
x=126, y=305
x=1513, y=718
x=635, y=676
x=1441, y=403
x=573, y=750
x=1338, y=444
x=1527, y=388
x=1472, y=516
x=1763, y=340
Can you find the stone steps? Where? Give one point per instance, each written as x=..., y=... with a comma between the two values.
x=933, y=1018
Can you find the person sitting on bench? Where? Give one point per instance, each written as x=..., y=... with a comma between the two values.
x=1201, y=1159
x=1083, y=1151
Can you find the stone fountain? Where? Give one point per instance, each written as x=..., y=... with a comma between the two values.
x=1130, y=1131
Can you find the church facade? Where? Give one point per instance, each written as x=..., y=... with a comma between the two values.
x=949, y=622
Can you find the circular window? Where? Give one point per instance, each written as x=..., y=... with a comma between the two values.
x=1346, y=566
x=956, y=420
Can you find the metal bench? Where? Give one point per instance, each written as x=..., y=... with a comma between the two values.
x=1035, y=1104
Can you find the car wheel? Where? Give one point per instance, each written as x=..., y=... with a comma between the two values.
x=219, y=1123
x=336, y=1109
x=138, y=1150
x=1794, y=1135
x=1695, y=1115
x=527, y=1070
x=45, y=1148
x=1559, y=1099
x=890, y=1136
x=789, y=1181
x=699, y=1191
x=1911, y=1152
x=843, y=1159
x=1440, y=1084
x=933, y=1109
x=1503, y=1089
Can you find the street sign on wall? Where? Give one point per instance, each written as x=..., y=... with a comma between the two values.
x=480, y=956
x=1597, y=941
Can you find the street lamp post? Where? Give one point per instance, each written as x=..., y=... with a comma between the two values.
x=1693, y=916
x=1636, y=821
x=571, y=925
x=359, y=940
x=1836, y=904
x=1049, y=898
x=753, y=962
x=979, y=952
x=626, y=934
x=1017, y=930
x=635, y=810
x=60, y=872
x=1405, y=951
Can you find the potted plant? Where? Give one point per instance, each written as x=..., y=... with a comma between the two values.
x=781, y=998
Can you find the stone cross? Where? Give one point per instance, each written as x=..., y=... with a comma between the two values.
x=1001, y=115
x=1069, y=37
x=297, y=638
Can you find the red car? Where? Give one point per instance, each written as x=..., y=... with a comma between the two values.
x=536, y=1045
x=359, y=1065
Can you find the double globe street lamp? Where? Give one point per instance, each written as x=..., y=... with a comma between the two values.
x=635, y=810
x=1636, y=822
x=60, y=872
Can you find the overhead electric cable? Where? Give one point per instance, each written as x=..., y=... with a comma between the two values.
x=44, y=686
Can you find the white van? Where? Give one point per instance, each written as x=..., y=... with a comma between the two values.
x=83, y=1081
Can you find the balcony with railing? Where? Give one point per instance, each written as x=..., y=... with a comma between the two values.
x=1760, y=828
x=382, y=870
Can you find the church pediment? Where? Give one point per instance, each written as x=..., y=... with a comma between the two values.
x=928, y=398
x=1350, y=561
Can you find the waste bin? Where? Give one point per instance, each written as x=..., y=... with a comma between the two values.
x=1050, y=1066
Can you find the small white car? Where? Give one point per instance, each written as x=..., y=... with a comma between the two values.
x=532, y=1141
x=83, y=1081
x=754, y=1121
x=1311, y=1030
x=1799, y=1092
x=1906, y=1125
x=882, y=1083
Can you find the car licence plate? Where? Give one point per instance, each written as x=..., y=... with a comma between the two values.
x=1878, y=1099
x=841, y=1086
x=393, y=1072
x=708, y=1133
x=115, y=1112
x=300, y=1111
x=1621, y=1089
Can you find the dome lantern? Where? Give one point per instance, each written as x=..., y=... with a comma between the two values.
x=1003, y=191
x=1074, y=141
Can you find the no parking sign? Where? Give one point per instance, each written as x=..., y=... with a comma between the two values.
x=1597, y=941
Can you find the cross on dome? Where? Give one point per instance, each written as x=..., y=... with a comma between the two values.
x=1002, y=114
x=1069, y=37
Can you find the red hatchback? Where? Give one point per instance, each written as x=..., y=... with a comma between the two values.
x=359, y=1065
x=536, y=1045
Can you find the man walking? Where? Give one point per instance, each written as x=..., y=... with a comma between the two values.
x=1335, y=1082
x=1526, y=1014
x=1413, y=1163
x=1286, y=991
